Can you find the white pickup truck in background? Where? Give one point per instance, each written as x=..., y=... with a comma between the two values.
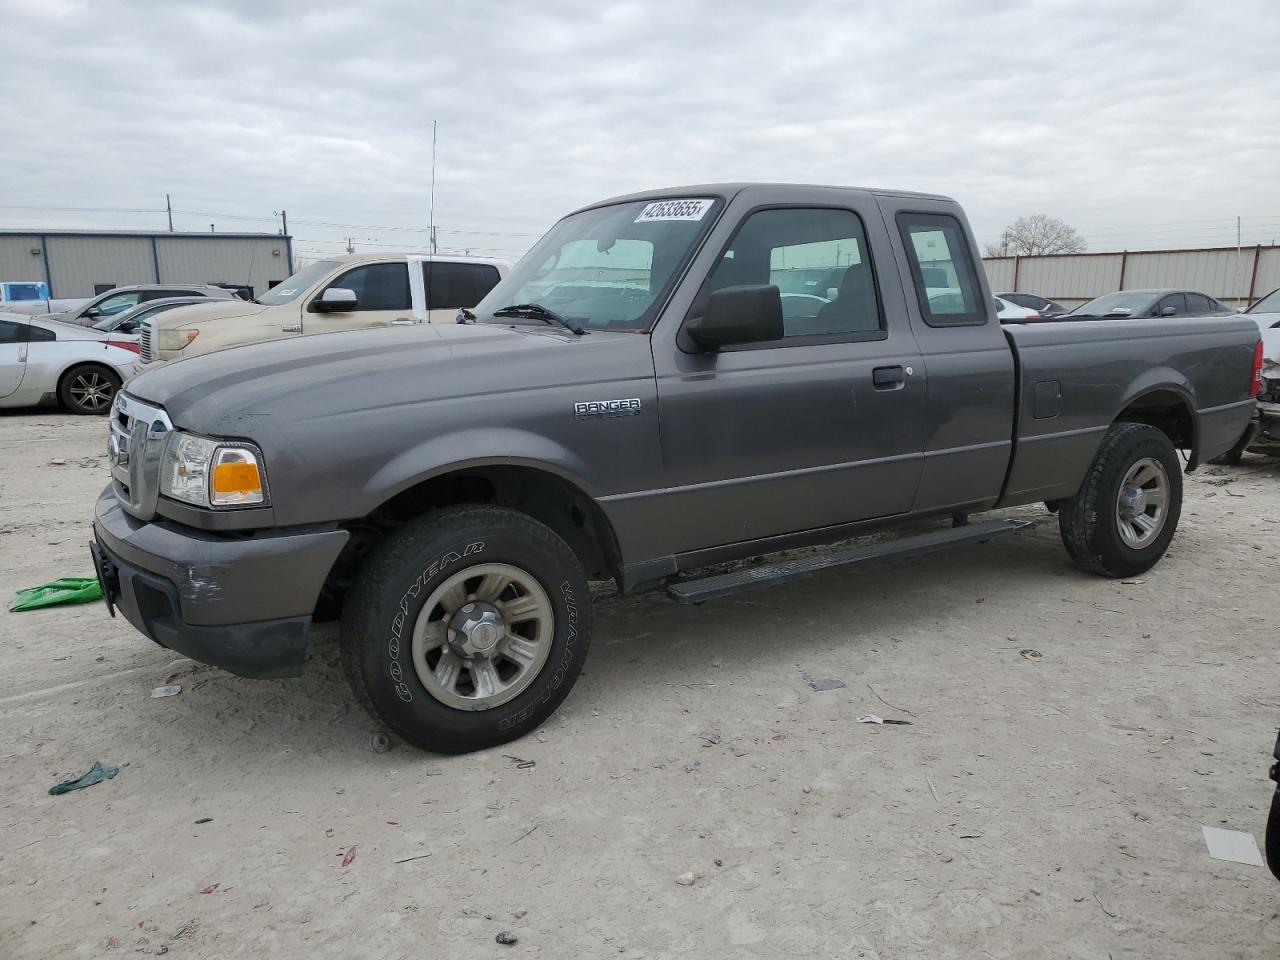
x=353, y=292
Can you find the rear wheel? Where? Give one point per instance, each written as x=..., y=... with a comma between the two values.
x=1126, y=512
x=88, y=388
x=467, y=628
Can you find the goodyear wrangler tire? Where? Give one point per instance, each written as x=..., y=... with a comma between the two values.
x=467, y=628
x=1126, y=512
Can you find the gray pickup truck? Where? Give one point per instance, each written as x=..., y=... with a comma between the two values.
x=666, y=381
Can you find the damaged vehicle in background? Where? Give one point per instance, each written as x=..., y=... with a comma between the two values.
x=1262, y=435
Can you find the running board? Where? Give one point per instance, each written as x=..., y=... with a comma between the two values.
x=768, y=575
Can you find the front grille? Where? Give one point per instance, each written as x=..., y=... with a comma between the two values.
x=144, y=343
x=138, y=432
x=1270, y=390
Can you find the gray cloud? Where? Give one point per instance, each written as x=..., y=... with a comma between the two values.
x=1144, y=123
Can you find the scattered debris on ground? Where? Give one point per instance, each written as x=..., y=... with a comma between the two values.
x=1234, y=846
x=95, y=774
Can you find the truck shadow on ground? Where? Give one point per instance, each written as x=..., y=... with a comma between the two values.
x=646, y=643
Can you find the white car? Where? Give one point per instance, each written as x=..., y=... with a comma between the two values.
x=44, y=361
x=1012, y=313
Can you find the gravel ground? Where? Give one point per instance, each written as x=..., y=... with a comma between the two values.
x=1031, y=808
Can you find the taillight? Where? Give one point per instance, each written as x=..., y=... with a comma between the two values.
x=1030, y=317
x=1255, y=382
x=133, y=345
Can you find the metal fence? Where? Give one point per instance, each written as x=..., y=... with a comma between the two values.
x=1236, y=276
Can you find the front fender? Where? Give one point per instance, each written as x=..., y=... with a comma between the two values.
x=463, y=449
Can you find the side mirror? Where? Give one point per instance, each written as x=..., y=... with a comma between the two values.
x=93, y=312
x=335, y=300
x=1168, y=311
x=746, y=314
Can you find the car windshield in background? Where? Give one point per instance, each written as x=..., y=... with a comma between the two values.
x=1268, y=304
x=300, y=282
x=605, y=268
x=1125, y=304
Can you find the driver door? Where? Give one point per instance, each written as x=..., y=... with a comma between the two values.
x=822, y=427
x=382, y=296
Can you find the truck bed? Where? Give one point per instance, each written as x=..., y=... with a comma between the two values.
x=1074, y=377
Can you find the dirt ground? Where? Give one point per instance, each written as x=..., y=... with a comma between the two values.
x=1031, y=809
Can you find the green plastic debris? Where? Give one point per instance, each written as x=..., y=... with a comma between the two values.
x=66, y=590
x=95, y=774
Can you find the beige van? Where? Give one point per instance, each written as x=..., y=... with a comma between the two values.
x=338, y=293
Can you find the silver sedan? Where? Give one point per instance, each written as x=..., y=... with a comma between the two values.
x=45, y=361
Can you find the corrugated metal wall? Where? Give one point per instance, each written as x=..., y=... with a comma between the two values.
x=1073, y=279
x=77, y=263
x=258, y=262
x=17, y=262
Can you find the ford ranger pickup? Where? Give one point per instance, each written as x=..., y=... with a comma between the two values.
x=667, y=381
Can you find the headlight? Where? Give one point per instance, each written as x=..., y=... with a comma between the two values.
x=212, y=473
x=176, y=339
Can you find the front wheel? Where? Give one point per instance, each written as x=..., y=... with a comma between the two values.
x=467, y=628
x=88, y=388
x=1120, y=522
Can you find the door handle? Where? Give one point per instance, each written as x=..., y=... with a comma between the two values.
x=888, y=378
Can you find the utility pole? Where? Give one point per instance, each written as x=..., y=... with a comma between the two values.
x=431, y=216
x=350, y=246
x=168, y=208
x=284, y=222
x=1239, y=278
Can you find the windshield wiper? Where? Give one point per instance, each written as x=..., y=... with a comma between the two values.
x=542, y=313
x=465, y=316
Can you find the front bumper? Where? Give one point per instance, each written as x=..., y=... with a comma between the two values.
x=240, y=603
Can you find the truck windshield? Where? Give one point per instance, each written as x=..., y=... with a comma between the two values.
x=1268, y=304
x=606, y=268
x=299, y=283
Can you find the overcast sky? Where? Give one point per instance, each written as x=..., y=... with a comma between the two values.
x=1144, y=124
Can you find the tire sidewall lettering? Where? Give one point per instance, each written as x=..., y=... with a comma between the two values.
x=395, y=645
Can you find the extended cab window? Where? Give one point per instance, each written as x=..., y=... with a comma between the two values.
x=11, y=332
x=377, y=286
x=818, y=260
x=457, y=284
x=941, y=269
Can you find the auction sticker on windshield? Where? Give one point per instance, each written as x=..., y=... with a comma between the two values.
x=674, y=210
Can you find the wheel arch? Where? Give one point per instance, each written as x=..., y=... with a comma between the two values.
x=534, y=488
x=1168, y=404
x=73, y=365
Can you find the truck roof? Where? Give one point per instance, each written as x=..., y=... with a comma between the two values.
x=400, y=254
x=729, y=190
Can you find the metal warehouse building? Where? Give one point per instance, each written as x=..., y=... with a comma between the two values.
x=1235, y=275
x=81, y=263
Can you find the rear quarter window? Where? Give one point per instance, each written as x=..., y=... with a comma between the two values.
x=942, y=270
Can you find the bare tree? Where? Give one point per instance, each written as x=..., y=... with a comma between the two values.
x=1036, y=235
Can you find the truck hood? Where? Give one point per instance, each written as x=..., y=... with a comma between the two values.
x=198, y=313
x=233, y=392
